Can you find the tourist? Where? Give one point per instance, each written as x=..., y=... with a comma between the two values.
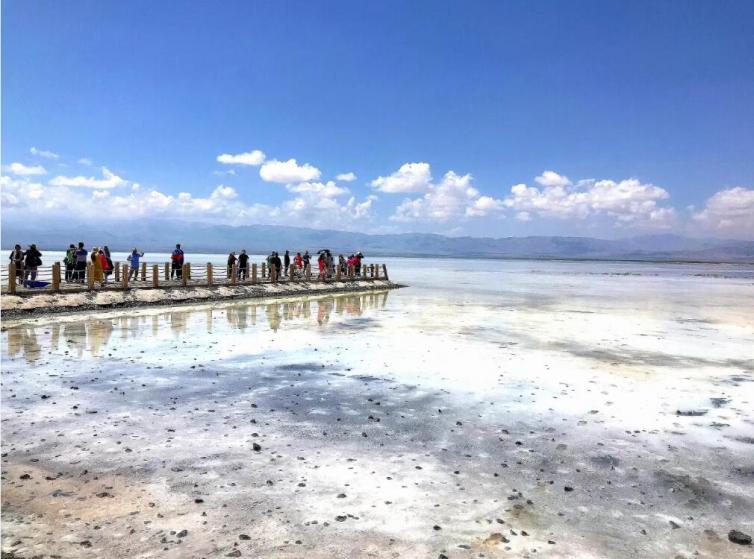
x=133, y=263
x=352, y=262
x=79, y=273
x=70, y=263
x=32, y=260
x=97, y=270
x=231, y=263
x=277, y=264
x=298, y=261
x=110, y=265
x=342, y=263
x=106, y=268
x=286, y=262
x=359, y=255
x=243, y=265
x=177, y=261
x=17, y=257
x=330, y=261
x=270, y=259
x=322, y=265
x=307, y=259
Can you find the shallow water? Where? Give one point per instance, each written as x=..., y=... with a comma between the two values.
x=451, y=416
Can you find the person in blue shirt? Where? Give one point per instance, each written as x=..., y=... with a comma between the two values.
x=79, y=270
x=177, y=259
x=133, y=260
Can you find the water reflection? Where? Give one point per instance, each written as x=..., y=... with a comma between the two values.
x=98, y=336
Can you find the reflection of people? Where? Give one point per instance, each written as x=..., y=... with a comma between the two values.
x=324, y=307
x=273, y=316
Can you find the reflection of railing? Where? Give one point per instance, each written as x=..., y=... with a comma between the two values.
x=93, y=335
x=148, y=275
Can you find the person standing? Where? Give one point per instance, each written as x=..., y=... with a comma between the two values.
x=286, y=263
x=231, y=262
x=105, y=266
x=70, y=263
x=80, y=268
x=177, y=259
x=133, y=263
x=342, y=263
x=243, y=265
x=278, y=265
x=97, y=271
x=322, y=265
x=110, y=266
x=32, y=260
x=17, y=257
x=306, y=258
x=298, y=261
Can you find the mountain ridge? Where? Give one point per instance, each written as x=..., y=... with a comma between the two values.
x=197, y=237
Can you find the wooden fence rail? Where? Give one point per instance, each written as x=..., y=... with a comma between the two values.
x=57, y=279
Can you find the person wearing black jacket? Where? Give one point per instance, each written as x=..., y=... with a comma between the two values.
x=278, y=264
x=17, y=257
x=243, y=265
x=32, y=260
x=286, y=262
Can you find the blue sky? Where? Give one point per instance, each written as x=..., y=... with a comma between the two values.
x=642, y=113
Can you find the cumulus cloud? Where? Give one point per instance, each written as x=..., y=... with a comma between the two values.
x=325, y=190
x=43, y=153
x=108, y=180
x=86, y=161
x=411, y=177
x=253, y=158
x=551, y=178
x=730, y=212
x=22, y=170
x=453, y=197
x=628, y=201
x=288, y=172
x=347, y=177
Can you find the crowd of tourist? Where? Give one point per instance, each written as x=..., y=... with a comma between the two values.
x=78, y=258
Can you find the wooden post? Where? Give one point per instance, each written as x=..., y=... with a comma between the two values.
x=234, y=274
x=125, y=276
x=116, y=265
x=273, y=274
x=371, y=271
x=376, y=271
x=184, y=275
x=90, y=276
x=351, y=272
x=308, y=272
x=384, y=269
x=253, y=273
x=12, y=278
x=292, y=272
x=364, y=271
x=209, y=273
x=337, y=273
x=264, y=269
x=155, y=276
x=188, y=270
x=167, y=271
x=143, y=271
x=56, y=277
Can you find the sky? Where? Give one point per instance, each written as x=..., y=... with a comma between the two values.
x=607, y=119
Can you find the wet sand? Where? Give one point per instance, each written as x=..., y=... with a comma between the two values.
x=536, y=419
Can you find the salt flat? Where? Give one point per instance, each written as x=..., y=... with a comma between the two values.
x=494, y=408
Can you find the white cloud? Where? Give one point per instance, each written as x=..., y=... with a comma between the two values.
x=288, y=172
x=22, y=170
x=108, y=180
x=551, y=178
x=347, y=177
x=325, y=190
x=454, y=197
x=411, y=177
x=86, y=161
x=43, y=153
x=729, y=211
x=253, y=158
x=628, y=202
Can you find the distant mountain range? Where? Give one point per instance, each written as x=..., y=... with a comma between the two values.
x=195, y=237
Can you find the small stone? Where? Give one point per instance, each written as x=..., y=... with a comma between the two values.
x=244, y=537
x=25, y=476
x=257, y=447
x=436, y=527
x=234, y=553
x=568, y=488
x=182, y=534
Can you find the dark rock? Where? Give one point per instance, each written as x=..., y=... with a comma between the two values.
x=256, y=447
x=691, y=413
x=244, y=537
x=568, y=489
x=739, y=537
x=234, y=553
x=182, y=534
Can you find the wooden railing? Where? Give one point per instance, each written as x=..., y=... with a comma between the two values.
x=151, y=275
